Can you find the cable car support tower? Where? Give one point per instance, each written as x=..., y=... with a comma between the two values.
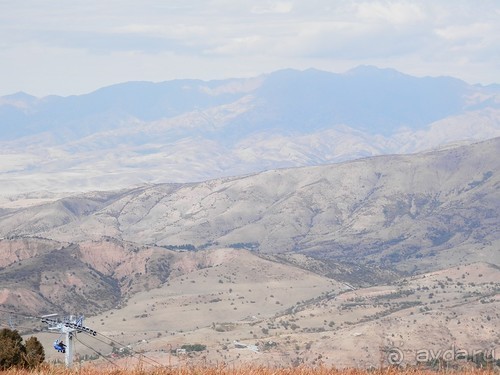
x=68, y=326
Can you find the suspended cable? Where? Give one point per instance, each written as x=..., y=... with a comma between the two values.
x=19, y=314
x=158, y=364
x=139, y=356
x=15, y=325
x=133, y=353
x=97, y=352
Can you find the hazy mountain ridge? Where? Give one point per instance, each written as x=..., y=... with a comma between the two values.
x=354, y=98
x=391, y=210
x=189, y=130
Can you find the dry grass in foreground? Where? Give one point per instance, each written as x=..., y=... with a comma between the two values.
x=228, y=370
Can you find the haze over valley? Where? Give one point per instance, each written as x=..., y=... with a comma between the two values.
x=190, y=130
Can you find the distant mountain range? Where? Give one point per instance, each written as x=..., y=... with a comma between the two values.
x=190, y=130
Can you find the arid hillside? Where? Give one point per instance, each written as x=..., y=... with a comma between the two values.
x=292, y=317
x=338, y=264
x=407, y=213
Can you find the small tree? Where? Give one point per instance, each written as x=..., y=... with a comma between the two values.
x=14, y=354
x=35, y=354
x=11, y=348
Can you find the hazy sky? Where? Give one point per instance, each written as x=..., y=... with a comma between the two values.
x=73, y=47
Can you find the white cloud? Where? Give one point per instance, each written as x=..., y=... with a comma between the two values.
x=274, y=7
x=400, y=13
